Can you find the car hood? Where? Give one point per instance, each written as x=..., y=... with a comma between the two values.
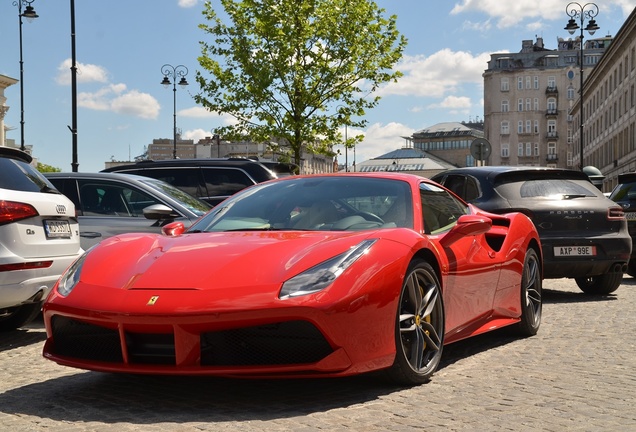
x=201, y=261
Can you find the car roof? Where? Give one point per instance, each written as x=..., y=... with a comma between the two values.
x=104, y=175
x=502, y=173
x=627, y=177
x=13, y=153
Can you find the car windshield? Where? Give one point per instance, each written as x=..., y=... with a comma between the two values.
x=195, y=205
x=314, y=203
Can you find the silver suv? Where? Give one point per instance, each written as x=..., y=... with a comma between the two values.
x=39, y=238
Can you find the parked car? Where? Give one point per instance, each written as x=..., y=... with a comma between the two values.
x=211, y=180
x=583, y=233
x=39, y=238
x=625, y=194
x=109, y=204
x=305, y=276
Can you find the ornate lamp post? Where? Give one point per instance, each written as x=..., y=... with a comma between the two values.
x=30, y=15
x=346, y=144
x=582, y=13
x=174, y=72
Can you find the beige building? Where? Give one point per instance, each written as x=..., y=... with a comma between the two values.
x=609, y=101
x=449, y=141
x=528, y=97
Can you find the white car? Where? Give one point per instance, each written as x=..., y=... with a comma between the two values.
x=39, y=238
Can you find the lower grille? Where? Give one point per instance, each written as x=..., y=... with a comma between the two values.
x=286, y=343
x=80, y=340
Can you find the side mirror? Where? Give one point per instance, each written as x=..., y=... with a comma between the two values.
x=174, y=229
x=467, y=225
x=159, y=212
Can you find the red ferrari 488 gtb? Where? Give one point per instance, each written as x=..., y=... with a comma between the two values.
x=304, y=276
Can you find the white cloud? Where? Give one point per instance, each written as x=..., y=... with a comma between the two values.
x=187, y=3
x=437, y=75
x=197, y=112
x=453, y=102
x=196, y=134
x=117, y=99
x=85, y=73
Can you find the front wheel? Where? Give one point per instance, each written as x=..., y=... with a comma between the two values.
x=531, y=289
x=419, y=326
x=601, y=284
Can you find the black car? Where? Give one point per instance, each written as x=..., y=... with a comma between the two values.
x=108, y=204
x=625, y=194
x=583, y=233
x=209, y=179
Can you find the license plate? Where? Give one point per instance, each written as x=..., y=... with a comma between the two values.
x=575, y=251
x=57, y=229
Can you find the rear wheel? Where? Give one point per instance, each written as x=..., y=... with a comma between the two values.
x=601, y=284
x=13, y=318
x=419, y=327
x=531, y=288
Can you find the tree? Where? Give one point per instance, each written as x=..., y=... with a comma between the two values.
x=44, y=168
x=296, y=71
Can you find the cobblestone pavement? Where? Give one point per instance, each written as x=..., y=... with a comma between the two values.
x=577, y=374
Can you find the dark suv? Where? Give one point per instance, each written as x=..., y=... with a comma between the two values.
x=583, y=234
x=625, y=194
x=212, y=180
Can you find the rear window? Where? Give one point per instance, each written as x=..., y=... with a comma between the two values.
x=20, y=176
x=553, y=188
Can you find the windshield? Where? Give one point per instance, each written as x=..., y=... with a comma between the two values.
x=195, y=205
x=314, y=203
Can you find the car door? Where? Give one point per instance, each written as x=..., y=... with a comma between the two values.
x=107, y=208
x=473, y=267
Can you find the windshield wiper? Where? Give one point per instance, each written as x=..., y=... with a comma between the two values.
x=570, y=196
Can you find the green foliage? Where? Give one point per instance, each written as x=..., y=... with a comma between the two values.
x=44, y=168
x=296, y=70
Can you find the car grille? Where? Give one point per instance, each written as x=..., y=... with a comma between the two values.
x=284, y=343
x=290, y=342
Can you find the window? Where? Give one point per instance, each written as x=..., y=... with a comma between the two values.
x=528, y=104
x=520, y=127
x=528, y=126
x=552, y=105
x=571, y=92
x=536, y=126
x=551, y=82
x=505, y=86
x=440, y=210
x=552, y=128
x=528, y=149
x=520, y=105
x=519, y=83
x=505, y=151
x=536, y=83
x=528, y=83
x=520, y=150
x=505, y=128
x=504, y=106
x=100, y=198
x=552, y=149
x=536, y=104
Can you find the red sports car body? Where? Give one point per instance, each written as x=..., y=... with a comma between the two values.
x=305, y=276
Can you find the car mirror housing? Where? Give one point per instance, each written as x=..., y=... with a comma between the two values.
x=174, y=229
x=467, y=225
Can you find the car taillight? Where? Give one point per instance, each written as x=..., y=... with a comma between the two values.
x=11, y=211
x=25, y=266
x=615, y=213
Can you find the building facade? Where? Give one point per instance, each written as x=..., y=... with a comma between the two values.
x=528, y=97
x=449, y=141
x=609, y=109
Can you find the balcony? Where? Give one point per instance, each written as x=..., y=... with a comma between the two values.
x=551, y=90
x=551, y=112
x=552, y=157
x=552, y=134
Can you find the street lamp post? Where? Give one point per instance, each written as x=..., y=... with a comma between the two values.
x=346, y=146
x=73, y=128
x=30, y=15
x=174, y=72
x=581, y=12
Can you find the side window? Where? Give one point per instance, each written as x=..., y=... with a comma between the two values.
x=112, y=199
x=186, y=179
x=225, y=181
x=440, y=210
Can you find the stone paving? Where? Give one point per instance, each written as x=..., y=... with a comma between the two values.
x=577, y=374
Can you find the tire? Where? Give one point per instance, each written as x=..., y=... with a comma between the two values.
x=19, y=316
x=601, y=284
x=419, y=326
x=531, y=290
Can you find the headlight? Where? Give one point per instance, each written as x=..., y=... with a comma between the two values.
x=71, y=276
x=322, y=275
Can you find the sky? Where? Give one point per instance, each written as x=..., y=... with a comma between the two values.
x=121, y=46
